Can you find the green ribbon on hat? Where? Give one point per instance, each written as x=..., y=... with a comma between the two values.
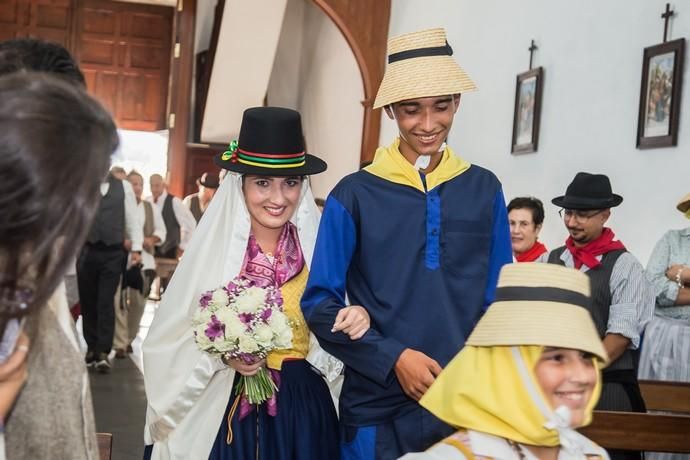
x=232, y=148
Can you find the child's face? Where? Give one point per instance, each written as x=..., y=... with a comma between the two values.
x=567, y=377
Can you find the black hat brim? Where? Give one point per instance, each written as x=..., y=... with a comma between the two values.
x=312, y=165
x=574, y=202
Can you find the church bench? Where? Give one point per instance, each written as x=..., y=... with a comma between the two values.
x=666, y=396
x=639, y=431
x=105, y=445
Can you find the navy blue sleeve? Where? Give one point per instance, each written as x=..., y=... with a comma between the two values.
x=501, y=249
x=373, y=355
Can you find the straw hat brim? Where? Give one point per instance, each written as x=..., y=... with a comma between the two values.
x=684, y=204
x=550, y=324
x=427, y=76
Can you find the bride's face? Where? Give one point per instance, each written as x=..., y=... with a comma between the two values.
x=271, y=201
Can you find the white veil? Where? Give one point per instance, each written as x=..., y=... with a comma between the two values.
x=187, y=389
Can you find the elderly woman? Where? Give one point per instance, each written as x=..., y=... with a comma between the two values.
x=528, y=376
x=667, y=336
x=526, y=217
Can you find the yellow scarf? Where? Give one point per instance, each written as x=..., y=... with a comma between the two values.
x=389, y=164
x=482, y=389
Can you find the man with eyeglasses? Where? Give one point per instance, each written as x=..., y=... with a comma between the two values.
x=622, y=300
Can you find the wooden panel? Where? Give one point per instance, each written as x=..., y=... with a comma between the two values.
x=147, y=57
x=9, y=13
x=148, y=26
x=105, y=445
x=98, y=52
x=130, y=44
x=199, y=161
x=46, y=19
x=666, y=396
x=55, y=17
x=637, y=431
x=99, y=21
x=364, y=24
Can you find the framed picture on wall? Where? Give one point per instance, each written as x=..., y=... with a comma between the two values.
x=528, y=90
x=660, y=93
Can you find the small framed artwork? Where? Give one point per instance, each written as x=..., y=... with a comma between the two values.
x=528, y=90
x=662, y=78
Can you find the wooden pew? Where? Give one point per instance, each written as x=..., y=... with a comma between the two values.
x=105, y=445
x=666, y=396
x=638, y=431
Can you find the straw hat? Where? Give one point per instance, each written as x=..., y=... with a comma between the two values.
x=420, y=64
x=540, y=304
x=684, y=204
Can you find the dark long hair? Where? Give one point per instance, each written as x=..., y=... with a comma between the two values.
x=55, y=147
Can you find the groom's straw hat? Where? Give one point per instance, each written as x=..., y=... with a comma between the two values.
x=420, y=64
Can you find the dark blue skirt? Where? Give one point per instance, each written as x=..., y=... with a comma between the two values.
x=305, y=428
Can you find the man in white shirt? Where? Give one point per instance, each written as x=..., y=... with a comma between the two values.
x=130, y=308
x=179, y=221
x=100, y=263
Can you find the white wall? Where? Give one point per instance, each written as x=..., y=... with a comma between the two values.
x=242, y=65
x=316, y=73
x=592, y=55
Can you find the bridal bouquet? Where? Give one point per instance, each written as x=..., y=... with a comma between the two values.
x=243, y=321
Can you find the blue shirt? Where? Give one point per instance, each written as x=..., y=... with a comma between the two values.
x=424, y=263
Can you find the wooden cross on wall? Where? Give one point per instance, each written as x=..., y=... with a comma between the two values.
x=666, y=16
x=532, y=48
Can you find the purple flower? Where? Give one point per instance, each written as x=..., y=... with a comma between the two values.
x=266, y=314
x=246, y=318
x=205, y=299
x=215, y=329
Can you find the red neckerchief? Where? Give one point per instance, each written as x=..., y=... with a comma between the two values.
x=587, y=254
x=532, y=253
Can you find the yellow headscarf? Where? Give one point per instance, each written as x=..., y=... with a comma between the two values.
x=494, y=390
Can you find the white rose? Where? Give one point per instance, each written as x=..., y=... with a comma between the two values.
x=284, y=339
x=224, y=344
x=281, y=330
x=251, y=300
x=201, y=339
x=234, y=328
x=201, y=317
x=263, y=335
x=248, y=345
x=219, y=299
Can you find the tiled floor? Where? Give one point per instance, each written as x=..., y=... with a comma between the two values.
x=120, y=401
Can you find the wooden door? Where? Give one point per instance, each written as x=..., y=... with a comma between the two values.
x=47, y=19
x=124, y=51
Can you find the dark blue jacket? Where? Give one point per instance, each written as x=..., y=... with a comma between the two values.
x=424, y=263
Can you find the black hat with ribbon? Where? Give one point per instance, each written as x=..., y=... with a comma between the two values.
x=588, y=191
x=271, y=143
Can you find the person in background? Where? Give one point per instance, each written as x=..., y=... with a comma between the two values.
x=132, y=302
x=622, y=298
x=528, y=377
x=55, y=148
x=526, y=217
x=198, y=202
x=179, y=221
x=119, y=172
x=667, y=336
